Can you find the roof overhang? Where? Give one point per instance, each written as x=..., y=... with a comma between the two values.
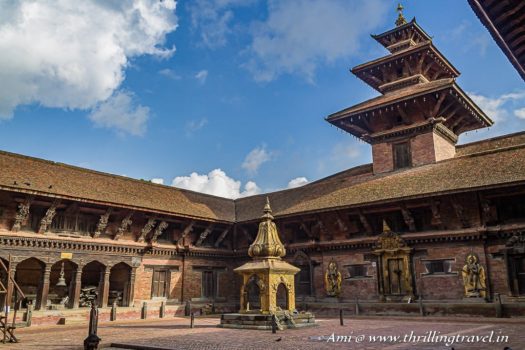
x=505, y=22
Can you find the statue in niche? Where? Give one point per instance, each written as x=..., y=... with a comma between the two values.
x=474, y=277
x=332, y=280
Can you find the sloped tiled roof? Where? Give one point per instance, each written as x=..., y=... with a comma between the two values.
x=27, y=174
x=494, y=162
x=484, y=167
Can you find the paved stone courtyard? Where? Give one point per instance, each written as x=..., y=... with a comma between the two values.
x=174, y=333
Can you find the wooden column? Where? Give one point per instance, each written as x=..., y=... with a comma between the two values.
x=104, y=287
x=42, y=303
x=77, y=284
x=10, y=284
x=131, y=287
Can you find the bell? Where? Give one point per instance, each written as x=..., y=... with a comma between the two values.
x=61, y=280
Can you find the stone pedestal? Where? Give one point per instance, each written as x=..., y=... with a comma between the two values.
x=285, y=320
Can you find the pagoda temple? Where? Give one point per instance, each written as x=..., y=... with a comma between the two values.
x=421, y=110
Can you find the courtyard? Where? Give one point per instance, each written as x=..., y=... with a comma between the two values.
x=357, y=333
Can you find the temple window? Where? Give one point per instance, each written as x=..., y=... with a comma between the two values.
x=160, y=282
x=74, y=222
x=401, y=152
x=209, y=284
x=357, y=271
x=438, y=267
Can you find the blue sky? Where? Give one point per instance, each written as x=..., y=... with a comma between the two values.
x=158, y=90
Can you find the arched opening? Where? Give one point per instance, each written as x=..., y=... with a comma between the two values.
x=253, y=293
x=60, y=295
x=30, y=277
x=119, y=280
x=282, y=297
x=92, y=275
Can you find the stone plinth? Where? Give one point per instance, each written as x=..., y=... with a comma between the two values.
x=264, y=321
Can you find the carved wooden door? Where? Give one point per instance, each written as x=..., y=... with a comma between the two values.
x=395, y=276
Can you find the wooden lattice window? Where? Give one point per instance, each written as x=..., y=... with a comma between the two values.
x=209, y=284
x=401, y=152
x=160, y=282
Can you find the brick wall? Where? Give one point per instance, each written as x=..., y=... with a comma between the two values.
x=382, y=157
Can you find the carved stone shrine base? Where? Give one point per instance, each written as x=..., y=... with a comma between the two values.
x=264, y=321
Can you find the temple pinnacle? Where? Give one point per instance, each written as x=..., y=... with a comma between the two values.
x=400, y=18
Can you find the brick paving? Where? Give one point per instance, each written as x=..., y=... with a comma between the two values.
x=174, y=333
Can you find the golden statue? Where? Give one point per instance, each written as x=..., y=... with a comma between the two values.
x=474, y=277
x=332, y=280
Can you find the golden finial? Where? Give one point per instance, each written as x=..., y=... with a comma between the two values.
x=386, y=228
x=400, y=18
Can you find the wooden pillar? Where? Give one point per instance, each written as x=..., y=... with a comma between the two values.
x=45, y=288
x=131, y=286
x=10, y=284
x=104, y=286
x=77, y=284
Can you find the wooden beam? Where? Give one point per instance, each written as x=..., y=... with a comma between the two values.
x=146, y=229
x=102, y=223
x=306, y=229
x=364, y=222
x=340, y=222
x=46, y=221
x=222, y=236
x=22, y=213
x=124, y=226
x=247, y=234
x=408, y=218
x=204, y=234
x=158, y=231
x=438, y=104
x=185, y=232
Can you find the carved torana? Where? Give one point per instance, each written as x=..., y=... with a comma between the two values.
x=46, y=221
x=158, y=231
x=124, y=226
x=102, y=223
x=22, y=214
x=146, y=229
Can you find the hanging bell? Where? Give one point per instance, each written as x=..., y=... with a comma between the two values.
x=61, y=280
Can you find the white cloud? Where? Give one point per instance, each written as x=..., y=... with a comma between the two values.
x=217, y=183
x=520, y=113
x=169, y=73
x=255, y=159
x=213, y=20
x=201, y=76
x=120, y=113
x=158, y=181
x=72, y=54
x=298, y=35
x=497, y=108
x=297, y=182
x=195, y=125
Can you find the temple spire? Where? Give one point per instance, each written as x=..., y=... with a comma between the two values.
x=267, y=243
x=400, y=18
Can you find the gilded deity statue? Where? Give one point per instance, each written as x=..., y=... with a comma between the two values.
x=332, y=280
x=474, y=277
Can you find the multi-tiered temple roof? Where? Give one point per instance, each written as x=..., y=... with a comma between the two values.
x=418, y=90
